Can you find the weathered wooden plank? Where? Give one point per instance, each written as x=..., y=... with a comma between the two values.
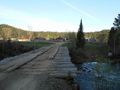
x=62, y=64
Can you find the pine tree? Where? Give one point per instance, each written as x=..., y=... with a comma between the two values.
x=80, y=42
x=117, y=22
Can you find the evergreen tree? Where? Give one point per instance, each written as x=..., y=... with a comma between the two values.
x=80, y=42
x=117, y=22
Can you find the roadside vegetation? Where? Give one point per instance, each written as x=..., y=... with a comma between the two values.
x=8, y=48
x=97, y=51
x=92, y=52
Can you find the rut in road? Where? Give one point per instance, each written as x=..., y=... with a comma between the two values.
x=41, y=64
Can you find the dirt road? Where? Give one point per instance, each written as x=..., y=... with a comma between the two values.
x=36, y=70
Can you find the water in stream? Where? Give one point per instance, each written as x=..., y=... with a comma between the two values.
x=98, y=76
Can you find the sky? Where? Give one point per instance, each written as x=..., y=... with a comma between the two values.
x=59, y=15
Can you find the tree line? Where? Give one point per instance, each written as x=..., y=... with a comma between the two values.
x=8, y=32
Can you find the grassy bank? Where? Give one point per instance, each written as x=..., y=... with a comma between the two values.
x=91, y=52
x=94, y=50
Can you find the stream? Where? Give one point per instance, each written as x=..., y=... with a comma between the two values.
x=98, y=76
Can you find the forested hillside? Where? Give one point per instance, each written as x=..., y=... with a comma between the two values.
x=7, y=32
x=101, y=36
